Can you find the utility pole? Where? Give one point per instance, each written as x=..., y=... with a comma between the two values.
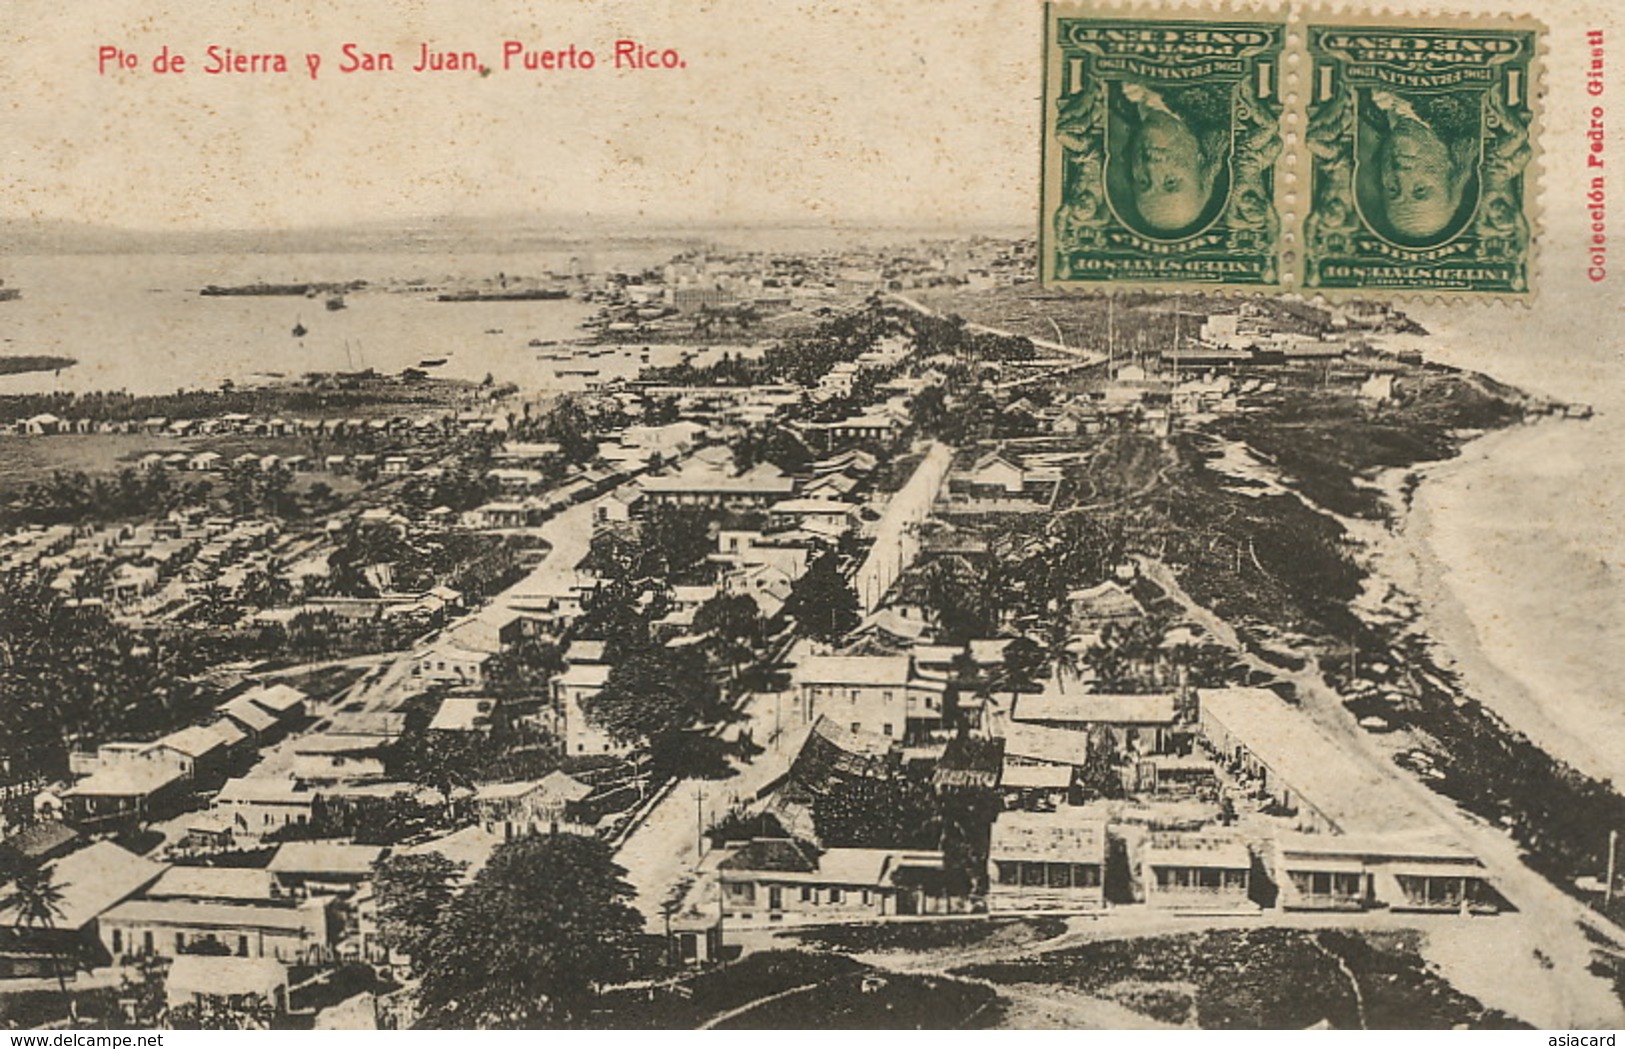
x=699, y=823
x=1613, y=851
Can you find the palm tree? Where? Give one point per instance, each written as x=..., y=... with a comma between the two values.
x=36, y=900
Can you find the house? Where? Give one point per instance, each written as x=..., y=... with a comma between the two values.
x=133, y=792
x=130, y=582
x=368, y=730
x=619, y=507
x=93, y=881
x=1197, y=871
x=526, y=454
x=1282, y=756
x=323, y=865
x=996, y=476
x=879, y=694
x=773, y=880
x=214, y=884
x=1046, y=861
x=516, y=481
x=502, y=515
x=580, y=682
x=1142, y=723
x=459, y=661
x=532, y=807
x=834, y=517
x=169, y=927
x=1404, y=872
x=769, y=585
x=36, y=845
x=1093, y=607
x=204, y=461
x=206, y=751
x=259, y=805
x=329, y=759
x=1043, y=744
x=761, y=486
x=874, y=428
x=283, y=700
x=260, y=724
x=229, y=983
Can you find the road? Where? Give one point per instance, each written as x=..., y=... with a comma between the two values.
x=1087, y=356
x=1540, y=967
x=667, y=846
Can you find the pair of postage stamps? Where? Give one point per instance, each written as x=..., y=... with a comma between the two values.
x=1202, y=152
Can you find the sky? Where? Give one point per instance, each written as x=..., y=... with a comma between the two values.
x=809, y=112
x=785, y=110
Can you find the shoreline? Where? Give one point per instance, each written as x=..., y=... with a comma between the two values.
x=1423, y=557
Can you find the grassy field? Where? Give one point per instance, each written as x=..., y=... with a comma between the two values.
x=928, y=936
x=1253, y=979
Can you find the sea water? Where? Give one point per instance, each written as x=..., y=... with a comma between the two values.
x=137, y=323
x=1527, y=532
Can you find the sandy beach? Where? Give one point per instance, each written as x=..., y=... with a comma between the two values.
x=1513, y=552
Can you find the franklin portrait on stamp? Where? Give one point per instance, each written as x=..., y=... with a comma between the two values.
x=1169, y=153
x=1423, y=153
x=1419, y=138
x=1162, y=137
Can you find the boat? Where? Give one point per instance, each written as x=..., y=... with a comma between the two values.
x=336, y=302
x=431, y=362
x=299, y=329
x=525, y=295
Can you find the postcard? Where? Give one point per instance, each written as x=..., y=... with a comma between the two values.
x=773, y=515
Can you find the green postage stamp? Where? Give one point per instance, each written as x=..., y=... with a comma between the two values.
x=1420, y=140
x=1161, y=142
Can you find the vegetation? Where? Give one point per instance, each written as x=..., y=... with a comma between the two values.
x=532, y=940
x=72, y=676
x=35, y=899
x=1252, y=979
x=823, y=602
x=414, y=894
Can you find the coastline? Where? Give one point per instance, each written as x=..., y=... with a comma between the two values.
x=1482, y=599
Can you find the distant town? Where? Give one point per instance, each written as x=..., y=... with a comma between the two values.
x=861, y=638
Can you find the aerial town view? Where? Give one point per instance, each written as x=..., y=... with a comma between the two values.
x=789, y=532
x=861, y=635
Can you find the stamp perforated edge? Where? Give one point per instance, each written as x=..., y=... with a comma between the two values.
x=1317, y=14
x=1151, y=10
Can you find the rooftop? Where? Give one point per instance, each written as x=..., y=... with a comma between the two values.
x=324, y=857
x=555, y=784
x=135, y=779
x=853, y=670
x=1079, y=707
x=97, y=877
x=1352, y=794
x=217, y=915
x=213, y=883
x=1197, y=850
x=1051, y=837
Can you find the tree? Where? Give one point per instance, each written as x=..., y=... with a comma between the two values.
x=414, y=894
x=823, y=601
x=36, y=900
x=656, y=695
x=1101, y=776
x=735, y=623
x=877, y=813
x=1024, y=661
x=543, y=925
